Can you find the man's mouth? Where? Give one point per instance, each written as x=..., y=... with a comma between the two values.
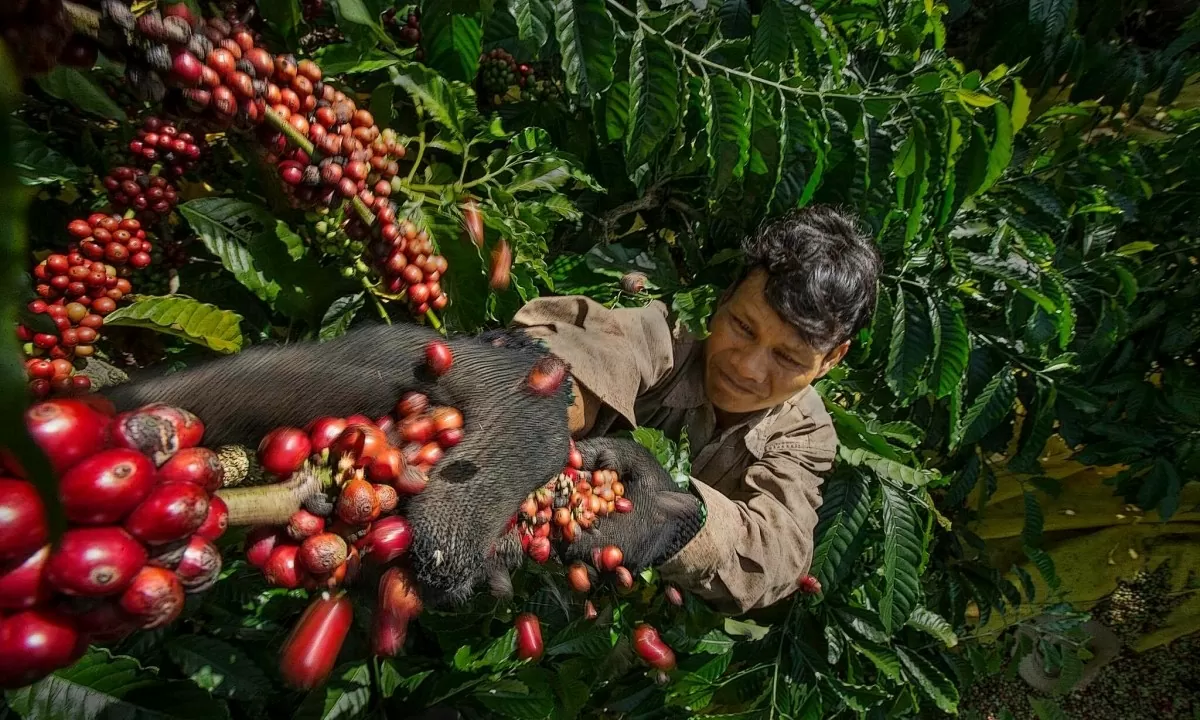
x=733, y=384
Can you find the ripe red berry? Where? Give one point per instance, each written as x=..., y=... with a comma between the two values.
x=310, y=651
x=217, y=521
x=185, y=68
x=22, y=520
x=529, y=637
x=387, y=467
x=357, y=504
x=200, y=567
x=260, y=542
x=66, y=430
x=651, y=649
x=284, y=450
x=387, y=540
x=411, y=403
x=303, y=524
x=283, y=568
x=94, y=562
x=610, y=557
x=104, y=488
x=577, y=577
x=155, y=597
x=539, y=549
x=23, y=582
x=35, y=643
x=197, y=465
x=323, y=553
x=438, y=356
x=809, y=585
x=170, y=512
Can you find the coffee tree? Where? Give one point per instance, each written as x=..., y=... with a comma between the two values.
x=342, y=161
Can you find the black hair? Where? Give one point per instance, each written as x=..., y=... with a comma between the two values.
x=822, y=271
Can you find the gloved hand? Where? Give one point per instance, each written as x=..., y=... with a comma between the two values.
x=514, y=441
x=664, y=517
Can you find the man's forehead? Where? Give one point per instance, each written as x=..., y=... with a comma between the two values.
x=750, y=299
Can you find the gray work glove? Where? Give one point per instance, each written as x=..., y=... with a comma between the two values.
x=664, y=518
x=514, y=441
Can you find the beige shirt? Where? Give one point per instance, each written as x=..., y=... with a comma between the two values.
x=760, y=479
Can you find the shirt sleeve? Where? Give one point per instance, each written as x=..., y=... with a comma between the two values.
x=756, y=545
x=617, y=354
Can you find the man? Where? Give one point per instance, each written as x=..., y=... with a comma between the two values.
x=739, y=539
x=759, y=433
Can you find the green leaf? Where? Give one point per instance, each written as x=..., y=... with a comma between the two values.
x=534, y=19
x=586, y=39
x=284, y=16
x=976, y=99
x=1051, y=16
x=902, y=550
x=905, y=162
x=1045, y=565
x=101, y=686
x=887, y=468
x=842, y=515
x=547, y=174
x=883, y=658
x=616, y=111
x=586, y=639
x=954, y=347
x=930, y=680
x=452, y=105
x=1134, y=248
x=79, y=90
x=1031, y=532
x=654, y=93
x=353, y=12
x=990, y=407
x=347, y=59
x=1035, y=433
x=694, y=307
x=911, y=342
x=1020, y=106
x=452, y=37
x=933, y=624
x=1000, y=153
x=736, y=18
x=728, y=132
x=517, y=699
x=181, y=316
x=771, y=42
x=347, y=695
x=340, y=314
x=219, y=667
x=1160, y=488
x=36, y=162
x=1047, y=709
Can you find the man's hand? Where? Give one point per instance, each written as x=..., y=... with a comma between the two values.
x=664, y=517
x=514, y=440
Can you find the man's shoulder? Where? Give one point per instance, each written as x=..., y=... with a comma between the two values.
x=801, y=424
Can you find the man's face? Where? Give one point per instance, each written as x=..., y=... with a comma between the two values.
x=753, y=360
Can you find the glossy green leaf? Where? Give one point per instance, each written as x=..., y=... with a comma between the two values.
x=348, y=59
x=450, y=104
x=535, y=20
x=843, y=513
x=1001, y=151
x=452, y=37
x=1047, y=709
x=340, y=314
x=771, y=41
x=100, y=686
x=1035, y=433
x=219, y=667
x=346, y=695
x=1020, y=106
x=1031, y=531
x=585, y=37
x=728, y=132
x=1045, y=565
x=911, y=343
x=989, y=407
x=284, y=16
x=654, y=94
x=521, y=700
x=36, y=162
x=181, y=316
x=954, y=346
x=933, y=624
x=79, y=89
x=931, y=681
x=901, y=558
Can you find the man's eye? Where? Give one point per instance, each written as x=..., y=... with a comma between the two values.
x=742, y=326
x=788, y=360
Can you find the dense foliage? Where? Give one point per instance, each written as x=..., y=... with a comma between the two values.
x=1038, y=254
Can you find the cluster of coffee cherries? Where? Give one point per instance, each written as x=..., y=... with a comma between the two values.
x=568, y=505
x=373, y=464
x=162, y=143
x=408, y=29
x=76, y=289
x=153, y=197
x=498, y=71
x=137, y=490
x=404, y=258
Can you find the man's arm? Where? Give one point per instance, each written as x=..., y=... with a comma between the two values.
x=751, y=551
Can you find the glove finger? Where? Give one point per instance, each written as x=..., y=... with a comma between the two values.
x=597, y=453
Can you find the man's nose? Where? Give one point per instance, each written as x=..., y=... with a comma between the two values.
x=750, y=365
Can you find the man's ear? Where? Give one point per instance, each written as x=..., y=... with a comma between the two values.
x=832, y=358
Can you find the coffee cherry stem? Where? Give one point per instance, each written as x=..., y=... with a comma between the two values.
x=433, y=320
x=275, y=504
x=371, y=292
x=292, y=134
